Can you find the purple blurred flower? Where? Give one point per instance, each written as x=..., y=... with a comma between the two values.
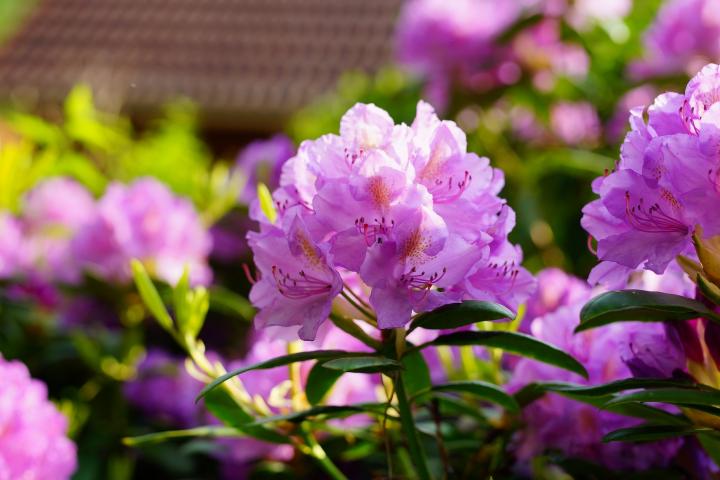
x=454, y=42
x=575, y=123
x=684, y=36
x=576, y=428
x=555, y=289
x=405, y=207
x=52, y=214
x=33, y=443
x=144, y=220
x=542, y=50
x=262, y=161
x=665, y=183
x=165, y=391
x=617, y=125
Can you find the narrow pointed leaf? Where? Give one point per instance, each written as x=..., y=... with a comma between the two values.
x=278, y=362
x=620, y=386
x=518, y=343
x=364, y=364
x=639, y=305
x=150, y=296
x=197, y=432
x=457, y=315
x=485, y=390
x=324, y=412
x=678, y=396
x=651, y=433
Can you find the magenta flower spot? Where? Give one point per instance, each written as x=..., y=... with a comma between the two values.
x=33, y=434
x=405, y=211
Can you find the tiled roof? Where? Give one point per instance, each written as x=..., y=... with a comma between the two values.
x=241, y=61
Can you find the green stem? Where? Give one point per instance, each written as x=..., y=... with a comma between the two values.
x=396, y=343
x=411, y=433
x=318, y=453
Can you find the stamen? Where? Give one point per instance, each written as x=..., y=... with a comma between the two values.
x=374, y=232
x=446, y=191
x=421, y=282
x=300, y=286
x=654, y=219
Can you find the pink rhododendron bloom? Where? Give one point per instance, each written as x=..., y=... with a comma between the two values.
x=665, y=183
x=406, y=208
x=33, y=441
x=52, y=214
x=144, y=220
x=575, y=123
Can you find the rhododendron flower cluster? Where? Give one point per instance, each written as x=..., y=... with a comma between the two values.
x=407, y=208
x=144, y=220
x=665, y=184
x=33, y=441
x=550, y=419
x=684, y=36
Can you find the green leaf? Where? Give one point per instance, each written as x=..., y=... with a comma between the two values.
x=416, y=373
x=534, y=391
x=457, y=315
x=651, y=433
x=639, y=305
x=485, y=390
x=224, y=408
x=159, y=437
x=711, y=444
x=364, y=364
x=518, y=343
x=620, y=386
x=325, y=412
x=150, y=295
x=319, y=382
x=279, y=362
x=677, y=396
x=230, y=303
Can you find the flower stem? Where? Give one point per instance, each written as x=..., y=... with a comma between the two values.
x=405, y=409
x=411, y=433
x=318, y=453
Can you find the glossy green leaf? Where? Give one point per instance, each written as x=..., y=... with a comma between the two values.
x=485, y=390
x=150, y=295
x=457, y=315
x=677, y=396
x=319, y=382
x=651, y=433
x=620, y=386
x=364, y=364
x=279, y=362
x=639, y=305
x=518, y=343
x=219, y=403
x=416, y=373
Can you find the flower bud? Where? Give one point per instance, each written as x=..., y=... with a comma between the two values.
x=708, y=251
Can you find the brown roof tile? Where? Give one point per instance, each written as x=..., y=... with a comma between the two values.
x=241, y=61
